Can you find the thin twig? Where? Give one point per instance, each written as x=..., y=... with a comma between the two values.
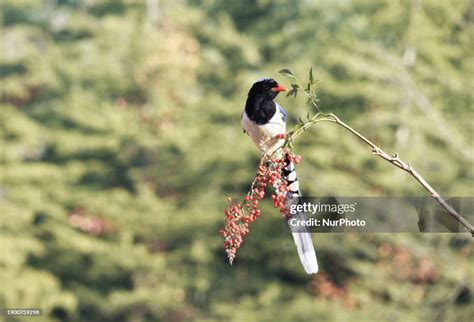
x=396, y=161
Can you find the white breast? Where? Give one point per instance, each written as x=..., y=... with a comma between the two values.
x=263, y=136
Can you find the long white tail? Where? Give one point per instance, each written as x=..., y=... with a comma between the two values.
x=301, y=235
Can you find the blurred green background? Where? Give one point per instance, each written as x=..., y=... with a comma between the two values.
x=121, y=140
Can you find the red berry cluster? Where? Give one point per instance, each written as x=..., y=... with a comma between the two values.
x=235, y=228
x=238, y=217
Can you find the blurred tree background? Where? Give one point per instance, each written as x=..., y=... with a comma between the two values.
x=121, y=138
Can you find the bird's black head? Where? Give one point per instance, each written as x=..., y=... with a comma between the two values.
x=265, y=89
x=260, y=106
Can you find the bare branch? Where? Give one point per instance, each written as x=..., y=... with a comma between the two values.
x=396, y=161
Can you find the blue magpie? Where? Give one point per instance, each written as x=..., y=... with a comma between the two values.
x=263, y=119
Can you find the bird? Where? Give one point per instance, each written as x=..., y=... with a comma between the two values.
x=263, y=120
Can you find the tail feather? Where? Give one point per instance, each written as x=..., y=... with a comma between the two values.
x=301, y=235
x=306, y=252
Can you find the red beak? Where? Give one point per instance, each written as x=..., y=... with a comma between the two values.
x=279, y=88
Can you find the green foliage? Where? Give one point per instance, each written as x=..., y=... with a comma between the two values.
x=121, y=140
